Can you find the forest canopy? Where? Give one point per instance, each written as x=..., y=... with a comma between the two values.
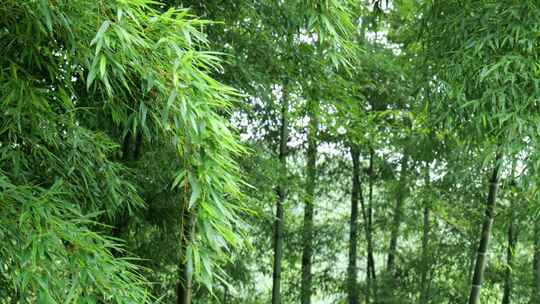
x=299, y=151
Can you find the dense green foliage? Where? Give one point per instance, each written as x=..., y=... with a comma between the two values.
x=329, y=151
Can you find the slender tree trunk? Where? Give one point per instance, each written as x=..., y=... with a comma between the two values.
x=187, y=234
x=352, y=289
x=184, y=287
x=512, y=239
x=311, y=179
x=391, y=273
x=396, y=222
x=367, y=232
x=281, y=192
x=481, y=259
x=426, y=260
x=535, y=296
x=371, y=279
x=307, y=231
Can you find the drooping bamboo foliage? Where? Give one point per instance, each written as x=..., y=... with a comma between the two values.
x=84, y=78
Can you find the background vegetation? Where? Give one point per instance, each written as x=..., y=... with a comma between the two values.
x=325, y=151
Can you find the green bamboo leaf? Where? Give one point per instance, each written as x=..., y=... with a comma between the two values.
x=102, y=29
x=166, y=110
x=45, y=9
x=179, y=178
x=102, y=65
x=195, y=191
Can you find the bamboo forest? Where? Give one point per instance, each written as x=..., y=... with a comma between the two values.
x=270, y=151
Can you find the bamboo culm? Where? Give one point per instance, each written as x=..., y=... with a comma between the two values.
x=481, y=258
x=281, y=193
x=307, y=231
x=352, y=289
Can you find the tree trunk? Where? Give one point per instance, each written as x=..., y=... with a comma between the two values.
x=535, y=296
x=352, y=289
x=367, y=232
x=371, y=279
x=184, y=287
x=307, y=231
x=426, y=260
x=512, y=239
x=281, y=192
x=396, y=222
x=187, y=234
x=481, y=259
x=391, y=276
